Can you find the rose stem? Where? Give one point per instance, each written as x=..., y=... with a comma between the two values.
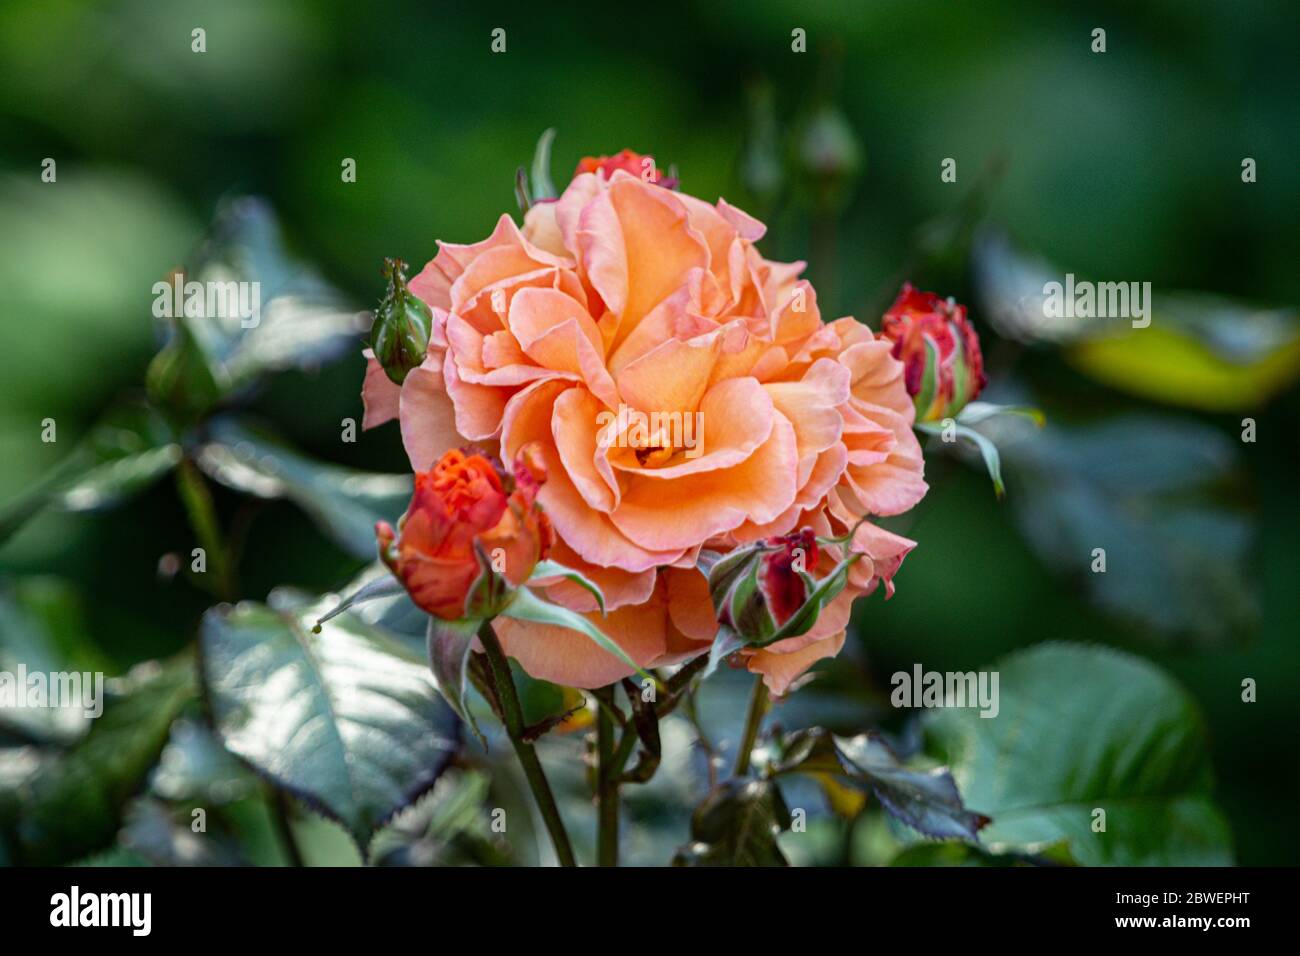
x=607, y=790
x=202, y=514
x=280, y=815
x=512, y=716
x=753, y=720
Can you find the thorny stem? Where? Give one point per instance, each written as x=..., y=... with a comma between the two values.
x=758, y=702
x=513, y=717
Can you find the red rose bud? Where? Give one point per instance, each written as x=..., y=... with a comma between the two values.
x=471, y=535
x=400, y=335
x=943, y=367
x=758, y=590
x=780, y=576
x=643, y=167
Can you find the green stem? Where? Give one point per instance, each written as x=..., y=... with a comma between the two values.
x=607, y=774
x=512, y=716
x=202, y=512
x=280, y=815
x=758, y=701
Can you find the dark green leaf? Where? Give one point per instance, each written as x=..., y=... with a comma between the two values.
x=73, y=804
x=42, y=630
x=165, y=837
x=737, y=825
x=302, y=322
x=927, y=801
x=345, y=503
x=347, y=719
x=1145, y=490
x=449, y=644
x=1081, y=729
x=129, y=449
x=448, y=827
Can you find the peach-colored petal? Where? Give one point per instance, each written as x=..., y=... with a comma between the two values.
x=574, y=428
x=637, y=243
x=589, y=532
x=379, y=394
x=542, y=229
x=673, y=376
x=812, y=406
x=427, y=416
x=780, y=670
x=689, y=603
x=618, y=587
x=713, y=502
x=572, y=659
x=478, y=408
x=746, y=226
x=557, y=333
x=736, y=418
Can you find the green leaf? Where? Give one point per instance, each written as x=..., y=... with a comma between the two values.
x=1200, y=351
x=345, y=503
x=43, y=630
x=450, y=643
x=72, y=805
x=737, y=825
x=303, y=322
x=128, y=450
x=543, y=188
x=448, y=827
x=527, y=606
x=1081, y=729
x=725, y=643
x=929, y=377
x=1155, y=493
x=154, y=832
x=553, y=569
x=195, y=768
x=928, y=801
x=988, y=451
x=381, y=587
x=977, y=412
x=346, y=719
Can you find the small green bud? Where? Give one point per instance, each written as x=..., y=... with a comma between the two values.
x=403, y=323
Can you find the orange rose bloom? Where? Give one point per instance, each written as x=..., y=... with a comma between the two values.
x=622, y=304
x=466, y=532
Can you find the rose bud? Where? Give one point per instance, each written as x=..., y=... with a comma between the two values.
x=642, y=167
x=400, y=335
x=471, y=535
x=942, y=365
x=759, y=590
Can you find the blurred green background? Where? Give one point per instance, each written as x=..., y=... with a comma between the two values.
x=1124, y=165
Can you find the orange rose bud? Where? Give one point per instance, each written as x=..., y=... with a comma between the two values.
x=643, y=167
x=942, y=365
x=471, y=535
